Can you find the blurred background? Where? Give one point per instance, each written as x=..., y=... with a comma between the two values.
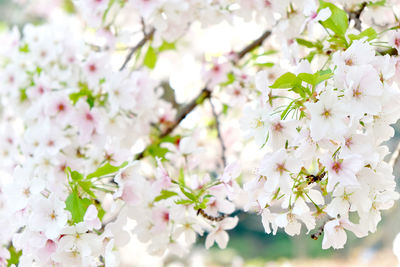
x=249, y=245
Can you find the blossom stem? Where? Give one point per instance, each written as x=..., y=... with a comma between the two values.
x=146, y=37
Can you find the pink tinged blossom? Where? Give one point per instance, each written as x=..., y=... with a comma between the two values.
x=86, y=119
x=394, y=40
x=163, y=179
x=313, y=16
x=364, y=87
x=219, y=235
x=231, y=172
x=335, y=235
x=276, y=168
x=161, y=219
x=130, y=193
x=217, y=74
x=342, y=171
x=91, y=219
x=58, y=105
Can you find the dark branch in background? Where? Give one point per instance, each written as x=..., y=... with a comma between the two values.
x=217, y=125
x=256, y=43
x=146, y=37
x=356, y=14
x=206, y=92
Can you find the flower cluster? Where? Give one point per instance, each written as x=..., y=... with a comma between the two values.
x=90, y=146
x=326, y=154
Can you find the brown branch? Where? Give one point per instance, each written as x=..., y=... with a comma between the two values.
x=221, y=141
x=209, y=217
x=206, y=92
x=356, y=14
x=145, y=38
x=256, y=43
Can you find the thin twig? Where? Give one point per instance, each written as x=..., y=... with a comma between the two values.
x=217, y=125
x=145, y=38
x=256, y=43
x=203, y=95
x=356, y=14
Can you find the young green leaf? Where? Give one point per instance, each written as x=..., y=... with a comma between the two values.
x=165, y=194
x=105, y=170
x=370, y=33
x=150, y=58
x=287, y=80
x=338, y=22
x=77, y=206
x=166, y=46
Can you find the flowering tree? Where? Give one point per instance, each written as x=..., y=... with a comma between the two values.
x=289, y=124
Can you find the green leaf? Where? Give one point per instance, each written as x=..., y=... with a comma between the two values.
x=165, y=194
x=86, y=186
x=307, y=77
x=338, y=22
x=150, y=58
x=110, y=3
x=316, y=78
x=101, y=211
x=155, y=150
x=377, y=3
x=183, y=202
x=69, y=7
x=83, y=92
x=370, y=33
x=181, y=177
x=201, y=205
x=24, y=48
x=188, y=194
x=231, y=78
x=14, y=256
x=310, y=56
x=322, y=75
x=22, y=95
x=77, y=206
x=166, y=46
x=75, y=176
x=305, y=43
x=287, y=80
x=225, y=109
x=286, y=111
x=105, y=170
x=266, y=64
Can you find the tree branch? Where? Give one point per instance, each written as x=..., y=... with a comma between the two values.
x=145, y=38
x=206, y=92
x=256, y=43
x=356, y=14
x=217, y=125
